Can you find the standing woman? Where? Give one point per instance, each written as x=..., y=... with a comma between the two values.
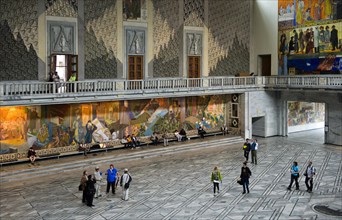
x=245, y=174
x=90, y=190
x=84, y=180
x=124, y=183
x=216, y=178
x=294, y=175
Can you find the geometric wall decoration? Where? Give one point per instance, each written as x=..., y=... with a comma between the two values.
x=194, y=13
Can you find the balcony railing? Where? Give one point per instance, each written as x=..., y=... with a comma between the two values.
x=33, y=90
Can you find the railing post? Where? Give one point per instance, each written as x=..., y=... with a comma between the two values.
x=158, y=84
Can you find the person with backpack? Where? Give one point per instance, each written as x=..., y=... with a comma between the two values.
x=125, y=180
x=310, y=172
x=246, y=148
x=294, y=175
x=216, y=178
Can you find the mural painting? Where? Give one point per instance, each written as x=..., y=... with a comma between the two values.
x=44, y=127
x=303, y=113
x=310, y=37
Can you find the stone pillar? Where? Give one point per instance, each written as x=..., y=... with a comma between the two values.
x=149, y=48
x=245, y=119
x=333, y=122
x=119, y=35
x=42, y=57
x=80, y=35
x=205, y=50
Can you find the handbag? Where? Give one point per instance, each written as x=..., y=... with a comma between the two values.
x=80, y=187
x=239, y=181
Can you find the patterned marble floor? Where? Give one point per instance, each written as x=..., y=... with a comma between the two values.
x=177, y=185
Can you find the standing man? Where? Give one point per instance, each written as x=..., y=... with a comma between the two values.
x=245, y=175
x=111, y=178
x=334, y=38
x=98, y=178
x=309, y=174
x=254, y=148
x=246, y=149
x=294, y=175
x=124, y=183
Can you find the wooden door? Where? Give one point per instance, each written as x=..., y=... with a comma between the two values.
x=194, y=70
x=135, y=71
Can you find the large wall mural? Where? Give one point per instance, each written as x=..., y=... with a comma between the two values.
x=52, y=126
x=305, y=114
x=310, y=37
x=229, y=37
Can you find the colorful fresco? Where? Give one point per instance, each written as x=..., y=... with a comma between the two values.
x=52, y=126
x=308, y=12
x=302, y=113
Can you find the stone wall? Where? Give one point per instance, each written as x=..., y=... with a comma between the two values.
x=18, y=40
x=100, y=39
x=229, y=36
x=166, y=38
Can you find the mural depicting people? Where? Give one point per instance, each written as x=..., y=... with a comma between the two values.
x=43, y=136
x=78, y=129
x=89, y=134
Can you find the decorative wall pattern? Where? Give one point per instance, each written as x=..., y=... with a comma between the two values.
x=100, y=39
x=61, y=8
x=18, y=39
x=229, y=37
x=166, y=38
x=194, y=13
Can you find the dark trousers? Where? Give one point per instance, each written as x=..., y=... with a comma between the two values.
x=90, y=198
x=245, y=184
x=254, y=156
x=112, y=184
x=246, y=154
x=84, y=196
x=294, y=178
x=309, y=183
x=334, y=45
x=216, y=185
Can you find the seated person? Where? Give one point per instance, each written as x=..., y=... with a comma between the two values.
x=129, y=141
x=124, y=141
x=224, y=130
x=32, y=155
x=178, y=136
x=154, y=138
x=183, y=133
x=201, y=131
x=135, y=140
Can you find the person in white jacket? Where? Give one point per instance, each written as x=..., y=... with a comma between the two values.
x=98, y=178
x=124, y=183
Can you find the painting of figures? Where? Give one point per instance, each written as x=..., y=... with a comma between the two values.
x=53, y=126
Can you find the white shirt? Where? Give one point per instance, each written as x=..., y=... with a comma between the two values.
x=97, y=176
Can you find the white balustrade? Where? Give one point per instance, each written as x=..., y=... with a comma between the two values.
x=27, y=88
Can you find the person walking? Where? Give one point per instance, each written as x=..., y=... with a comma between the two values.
x=111, y=178
x=310, y=172
x=216, y=178
x=245, y=175
x=84, y=180
x=90, y=191
x=98, y=178
x=254, y=148
x=294, y=175
x=125, y=181
x=246, y=149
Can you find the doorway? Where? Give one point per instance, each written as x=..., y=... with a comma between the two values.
x=135, y=71
x=306, y=120
x=258, y=126
x=194, y=70
x=264, y=65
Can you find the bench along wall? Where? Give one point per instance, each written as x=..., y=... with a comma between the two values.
x=53, y=126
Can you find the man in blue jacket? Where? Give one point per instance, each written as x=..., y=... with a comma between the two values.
x=111, y=178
